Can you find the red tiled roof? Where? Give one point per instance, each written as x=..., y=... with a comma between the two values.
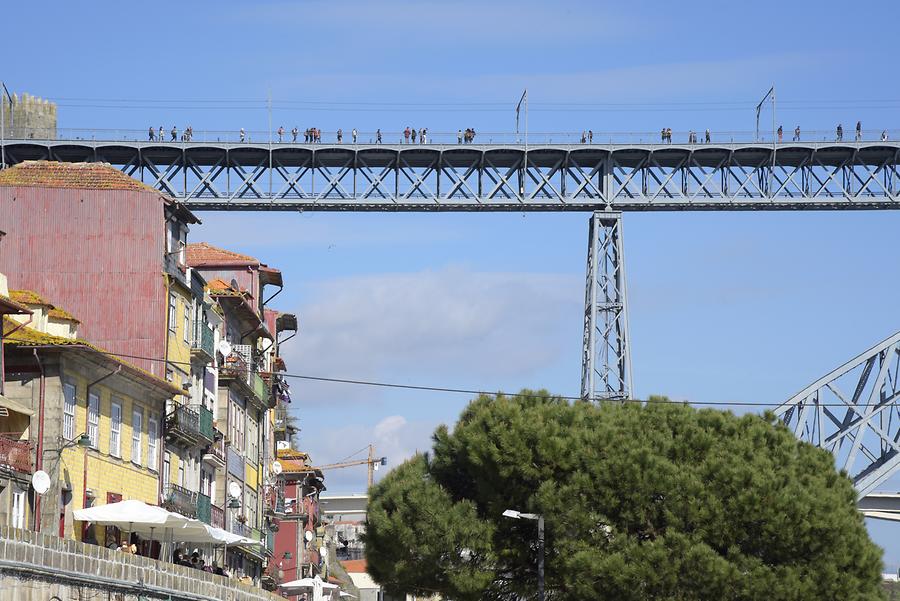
x=354, y=566
x=200, y=254
x=53, y=174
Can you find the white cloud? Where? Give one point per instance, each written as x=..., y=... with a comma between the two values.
x=447, y=326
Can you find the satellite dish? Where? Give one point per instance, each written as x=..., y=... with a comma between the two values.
x=234, y=490
x=308, y=536
x=40, y=481
x=276, y=468
x=225, y=348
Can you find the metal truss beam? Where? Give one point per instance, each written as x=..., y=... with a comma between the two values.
x=853, y=412
x=606, y=350
x=641, y=177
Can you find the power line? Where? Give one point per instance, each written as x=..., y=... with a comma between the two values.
x=453, y=390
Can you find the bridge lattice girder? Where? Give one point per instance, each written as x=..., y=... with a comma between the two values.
x=647, y=177
x=853, y=412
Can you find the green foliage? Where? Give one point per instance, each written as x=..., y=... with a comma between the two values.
x=641, y=502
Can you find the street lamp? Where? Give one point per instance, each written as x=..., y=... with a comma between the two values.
x=518, y=515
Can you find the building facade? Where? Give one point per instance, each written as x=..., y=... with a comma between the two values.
x=250, y=390
x=95, y=423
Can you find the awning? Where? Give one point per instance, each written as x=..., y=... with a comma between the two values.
x=14, y=405
x=150, y=521
x=307, y=583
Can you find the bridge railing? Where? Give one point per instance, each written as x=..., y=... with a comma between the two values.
x=445, y=138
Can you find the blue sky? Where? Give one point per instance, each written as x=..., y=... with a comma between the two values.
x=725, y=307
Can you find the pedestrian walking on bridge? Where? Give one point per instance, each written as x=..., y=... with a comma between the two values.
x=340, y=135
x=174, y=133
x=162, y=136
x=839, y=133
x=858, y=131
x=280, y=134
x=780, y=133
x=242, y=134
x=459, y=136
x=378, y=136
x=406, y=134
x=152, y=134
x=706, y=136
x=294, y=133
x=797, y=134
x=354, y=133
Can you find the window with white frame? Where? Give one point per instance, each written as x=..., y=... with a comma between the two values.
x=152, y=443
x=115, y=429
x=68, y=411
x=173, y=310
x=18, y=509
x=93, y=420
x=167, y=469
x=187, y=322
x=137, y=429
x=181, y=471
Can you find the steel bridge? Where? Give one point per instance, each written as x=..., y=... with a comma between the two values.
x=498, y=177
x=605, y=179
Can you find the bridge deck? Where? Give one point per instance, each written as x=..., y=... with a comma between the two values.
x=499, y=177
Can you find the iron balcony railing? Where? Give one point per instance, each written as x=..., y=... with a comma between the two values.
x=240, y=528
x=203, y=341
x=207, y=430
x=191, y=426
x=204, y=509
x=15, y=454
x=215, y=453
x=181, y=500
x=238, y=366
x=217, y=516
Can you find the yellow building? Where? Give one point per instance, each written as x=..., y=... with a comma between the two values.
x=96, y=423
x=187, y=480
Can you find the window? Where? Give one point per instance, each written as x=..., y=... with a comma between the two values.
x=18, y=509
x=68, y=411
x=236, y=419
x=137, y=418
x=181, y=471
x=251, y=508
x=252, y=436
x=115, y=429
x=167, y=469
x=93, y=427
x=187, y=322
x=152, y=444
x=172, y=312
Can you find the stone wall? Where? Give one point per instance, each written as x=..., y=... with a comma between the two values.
x=28, y=117
x=34, y=567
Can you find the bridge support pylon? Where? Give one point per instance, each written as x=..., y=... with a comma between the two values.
x=606, y=348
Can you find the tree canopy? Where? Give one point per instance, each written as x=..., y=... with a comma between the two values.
x=641, y=502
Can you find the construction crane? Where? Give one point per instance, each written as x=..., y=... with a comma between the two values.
x=371, y=461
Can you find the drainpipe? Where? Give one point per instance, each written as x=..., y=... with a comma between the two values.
x=87, y=411
x=39, y=459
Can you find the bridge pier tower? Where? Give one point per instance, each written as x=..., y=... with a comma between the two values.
x=606, y=348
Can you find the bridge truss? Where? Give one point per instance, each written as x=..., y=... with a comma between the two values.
x=606, y=180
x=648, y=177
x=854, y=413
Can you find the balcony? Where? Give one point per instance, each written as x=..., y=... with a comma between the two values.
x=238, y=368
x=217, y=515
x=202, y=347
x=215, y=453
x=204, y=509
x=181, y=500
x=15, y=455
x=190, y=427
x=274, y=501
x=240, y=528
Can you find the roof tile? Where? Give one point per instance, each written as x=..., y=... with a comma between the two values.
x=53, y=174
